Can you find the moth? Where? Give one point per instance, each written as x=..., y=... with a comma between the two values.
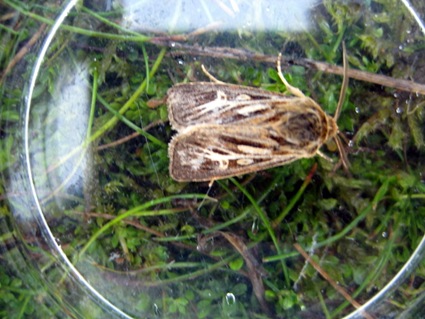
x=225, y=130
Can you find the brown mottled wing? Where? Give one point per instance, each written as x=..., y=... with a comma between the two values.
x=225, y=104
x=210, y=152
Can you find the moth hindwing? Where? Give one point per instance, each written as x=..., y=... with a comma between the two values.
x=225, y=130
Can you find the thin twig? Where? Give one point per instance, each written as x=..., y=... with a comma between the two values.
x=136, y=224
x=245, y=55
x=255, y=270
x=23, y=51
x=338, y=288
x=128, y=137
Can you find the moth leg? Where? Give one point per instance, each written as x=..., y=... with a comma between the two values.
x=210, y=184
x=343, y=156
x=292, y=89
x=210, y=76
x=206, y=195
x=344, y=159
x=326, y=157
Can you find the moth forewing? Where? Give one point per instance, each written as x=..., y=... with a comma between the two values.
x=214, y=103
x=225, y=130
x=211, y=152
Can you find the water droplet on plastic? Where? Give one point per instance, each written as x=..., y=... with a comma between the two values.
x=230, y=298
x=114, y=256
x=156, y=309
x=254, y=227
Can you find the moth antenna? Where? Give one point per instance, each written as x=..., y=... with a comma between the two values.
x=292, y=89
x=344, y=83
x=210, y=76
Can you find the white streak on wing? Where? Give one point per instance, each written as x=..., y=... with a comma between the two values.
x=190, y=158
x=254, y=150
x=223, y=165
x=221, y=95
x=222, y=104
x=245, y=161
x=248, y=110
x=214, y=106
x=243, y=97
x=195, y=159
